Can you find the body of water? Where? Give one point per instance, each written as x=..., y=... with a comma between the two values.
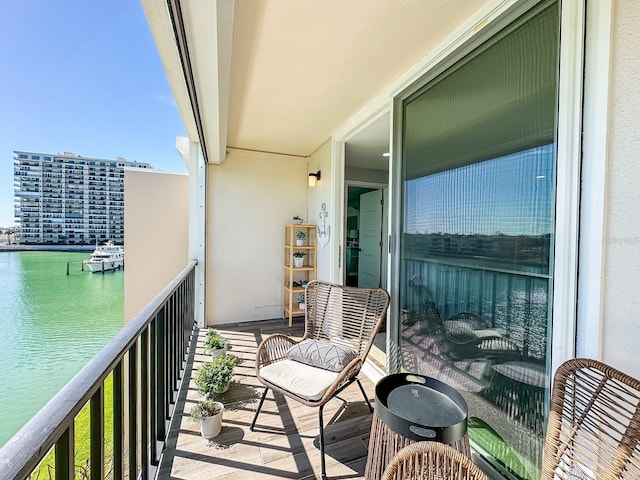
x=51, y=325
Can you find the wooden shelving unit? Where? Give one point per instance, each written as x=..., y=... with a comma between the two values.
x=293, y=275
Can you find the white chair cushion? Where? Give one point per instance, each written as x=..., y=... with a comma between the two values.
x=300, y=379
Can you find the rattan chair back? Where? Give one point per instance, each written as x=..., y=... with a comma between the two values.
x=594, y=424
x=432, y=461
x=344, y=315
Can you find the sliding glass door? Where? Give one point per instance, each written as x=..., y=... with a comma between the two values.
x=476, y=252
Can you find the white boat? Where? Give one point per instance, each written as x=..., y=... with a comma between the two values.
x=106, y=257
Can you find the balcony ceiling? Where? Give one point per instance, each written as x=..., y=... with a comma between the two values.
x=298, y=69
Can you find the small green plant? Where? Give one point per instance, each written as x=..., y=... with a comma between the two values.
x=299, y=254
x=204, y=409
x=212, y=332
x=300, y=235
x=301, y=298
x=215, y=341
x=297, y=219
x=213, y=377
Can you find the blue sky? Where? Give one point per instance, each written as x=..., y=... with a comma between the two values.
x=82, y=77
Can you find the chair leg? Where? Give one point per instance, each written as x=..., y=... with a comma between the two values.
x=264, y=395
x=322, y=465
x=364, y=395
x=321, y=423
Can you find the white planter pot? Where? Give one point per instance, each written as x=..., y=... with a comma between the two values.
x=211, y=426
x=298, y=262
x=301, y=306
x=299, y=242
x=223, y=389
x=219, y=352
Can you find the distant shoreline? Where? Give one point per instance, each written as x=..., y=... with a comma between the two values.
x=47, y=248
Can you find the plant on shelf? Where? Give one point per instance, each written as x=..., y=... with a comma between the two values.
x=214, y=377
x=296, y=220
x=209, y=414
x=298, y=259
x=301, y=302
x=216, y=344
x=301, y=236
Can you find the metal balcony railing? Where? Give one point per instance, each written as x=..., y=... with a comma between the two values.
x=147, y=359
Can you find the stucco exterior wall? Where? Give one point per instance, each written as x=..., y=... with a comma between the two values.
x=156, y=234
x=621, y=302
x=250, y=197
x=323, y=193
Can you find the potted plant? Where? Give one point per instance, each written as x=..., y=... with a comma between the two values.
x=298, y=259
x=301, y=304
x=301, y=237
x=215, y=344
x=296, y=220
x=214, y=377
x=209, y=414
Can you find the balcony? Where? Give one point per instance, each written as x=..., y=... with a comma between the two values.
x=285, y=441
x=601, y=241
x=161, y=349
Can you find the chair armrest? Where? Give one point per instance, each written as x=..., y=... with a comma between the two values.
x=274, y=348
x=348, y=373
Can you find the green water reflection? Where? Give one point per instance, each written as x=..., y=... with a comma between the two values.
x=51, y=325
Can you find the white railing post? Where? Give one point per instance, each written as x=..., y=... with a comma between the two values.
x=197, y=222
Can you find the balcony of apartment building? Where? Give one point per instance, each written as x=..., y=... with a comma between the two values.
x=150, y=368
x=485, y=112
x=161, y=348
x=28, y=192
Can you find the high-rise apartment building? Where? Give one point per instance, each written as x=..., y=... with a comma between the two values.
x=69, y=199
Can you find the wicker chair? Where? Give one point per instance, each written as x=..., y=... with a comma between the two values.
x=339, y=319
x=594, y=424
x=432, y=460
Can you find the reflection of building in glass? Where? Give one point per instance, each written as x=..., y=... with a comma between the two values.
x=475, y=290
x=69, y=199
x=530, y=251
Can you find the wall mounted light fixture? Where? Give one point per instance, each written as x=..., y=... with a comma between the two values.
x=313, y=178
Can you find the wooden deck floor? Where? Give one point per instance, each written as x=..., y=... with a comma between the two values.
x=285, y=441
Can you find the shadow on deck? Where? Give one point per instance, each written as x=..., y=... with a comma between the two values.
x=285, y=441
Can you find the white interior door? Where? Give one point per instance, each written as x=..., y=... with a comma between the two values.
x=370, y=235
